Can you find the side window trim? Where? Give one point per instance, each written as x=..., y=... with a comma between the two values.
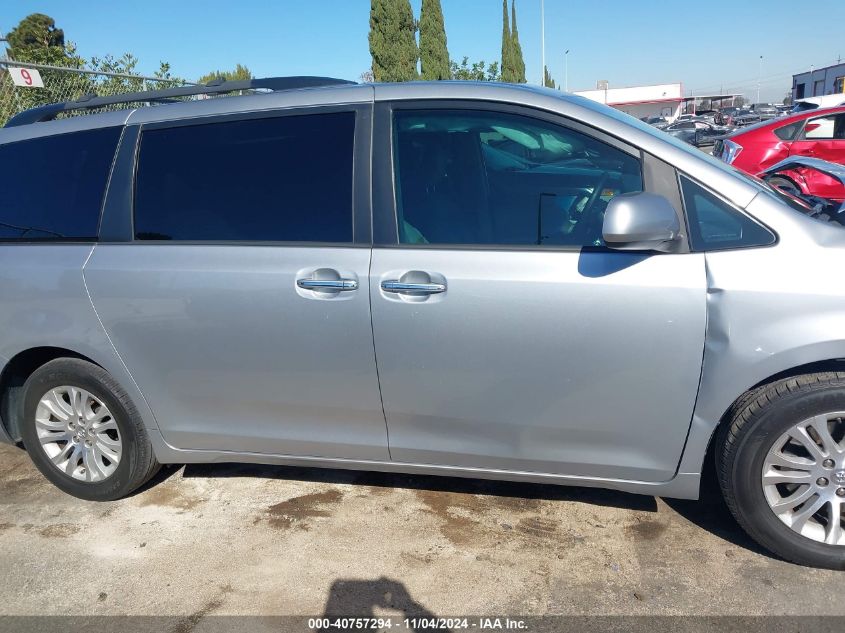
x=385, y=211
x=116, y=218
x=662, y=178
x=361, y=175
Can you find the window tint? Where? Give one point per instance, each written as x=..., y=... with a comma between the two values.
x=52, y=187
x=715, y=224
x=826, y=128
x=472, y=177
x=271, y=179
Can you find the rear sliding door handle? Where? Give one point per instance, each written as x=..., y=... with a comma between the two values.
x=401, y=287
x=328, y=285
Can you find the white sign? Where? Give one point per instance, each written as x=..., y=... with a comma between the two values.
x=26, y=77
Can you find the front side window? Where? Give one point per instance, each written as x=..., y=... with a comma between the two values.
x=715, y=224
x=487, y=178
x=268, y=179
x=51, y=188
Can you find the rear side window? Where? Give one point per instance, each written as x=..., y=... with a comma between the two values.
x=715, y=224
x=51, y=188
x=270, y=179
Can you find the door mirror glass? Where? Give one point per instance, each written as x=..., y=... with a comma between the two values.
x=641, y=222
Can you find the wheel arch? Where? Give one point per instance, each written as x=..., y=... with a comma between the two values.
x=14, y=375
x=831, y=364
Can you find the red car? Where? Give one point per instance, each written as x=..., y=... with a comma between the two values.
x=815, y=133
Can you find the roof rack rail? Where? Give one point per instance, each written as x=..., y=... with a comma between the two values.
x=215, y=86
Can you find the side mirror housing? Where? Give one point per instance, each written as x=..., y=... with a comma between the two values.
x=641, y=221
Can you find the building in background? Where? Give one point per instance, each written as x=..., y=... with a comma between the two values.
x=660, y=100
x=819, y=82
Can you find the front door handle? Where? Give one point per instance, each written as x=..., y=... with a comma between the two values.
x=328, y=285
x=406, y=288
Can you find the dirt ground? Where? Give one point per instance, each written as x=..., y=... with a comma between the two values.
x=237, y=539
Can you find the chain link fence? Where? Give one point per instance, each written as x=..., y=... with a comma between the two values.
x=69, y=84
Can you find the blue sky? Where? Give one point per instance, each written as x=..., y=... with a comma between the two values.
x=710, y=46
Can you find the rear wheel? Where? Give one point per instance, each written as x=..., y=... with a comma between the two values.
x=781, y=465
x=785, y=184
x=83, y=433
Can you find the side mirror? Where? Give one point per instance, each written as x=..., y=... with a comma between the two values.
x=641, y=222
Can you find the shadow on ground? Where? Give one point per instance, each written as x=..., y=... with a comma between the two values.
x=709, y=513
x=594, y=496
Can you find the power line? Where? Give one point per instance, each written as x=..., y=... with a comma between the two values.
x=770, y=77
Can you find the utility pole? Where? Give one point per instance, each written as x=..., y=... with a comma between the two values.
x=542, y=43
x=759, y=78
x=566, y=70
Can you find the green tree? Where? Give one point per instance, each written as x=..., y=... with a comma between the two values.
x=478, y=71
x=548, y=82
x=507, y=46
x=393, y=43
x=240, y=73
x=516, y=49
x=35, y=31
x=434, y=56
x=37, y=40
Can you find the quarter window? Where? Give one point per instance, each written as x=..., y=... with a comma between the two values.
x=268, y=179
x=474, y=177
x=715, y=224
x=787, y=132
x=52, y=188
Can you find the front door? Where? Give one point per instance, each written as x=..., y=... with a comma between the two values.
x=241, y=308
x=507, y=335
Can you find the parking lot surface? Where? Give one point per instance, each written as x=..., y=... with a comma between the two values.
x=238, y=539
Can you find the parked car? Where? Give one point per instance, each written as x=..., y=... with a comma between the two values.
x=456, y=279
x=815, y=133
x=697, y=132
x=811, y=179
x=813, y=103
x=745, y=118
x=765, y=111
x=657, y=121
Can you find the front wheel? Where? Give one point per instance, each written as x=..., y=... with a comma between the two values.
x=781, y=465
x=83, y=433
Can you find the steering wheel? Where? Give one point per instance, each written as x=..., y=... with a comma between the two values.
x=586, y=218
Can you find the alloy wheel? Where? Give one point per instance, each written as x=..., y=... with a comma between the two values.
x=803, y=478
x=78, y=433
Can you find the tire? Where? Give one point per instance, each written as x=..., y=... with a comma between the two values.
x=118, y=471
x=758, y=424
x=785, y=184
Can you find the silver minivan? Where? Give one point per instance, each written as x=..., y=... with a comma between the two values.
x=479, y=280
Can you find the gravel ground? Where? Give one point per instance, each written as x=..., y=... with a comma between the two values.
x=237, y=539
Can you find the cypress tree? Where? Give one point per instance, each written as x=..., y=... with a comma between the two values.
x=547, y=78
x=518, y=64
x=393, y=44
x=434, y=56
x=507, y=45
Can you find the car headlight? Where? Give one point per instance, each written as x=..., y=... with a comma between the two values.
x=730, y=151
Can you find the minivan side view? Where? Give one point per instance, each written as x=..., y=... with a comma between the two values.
x=455, y=278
